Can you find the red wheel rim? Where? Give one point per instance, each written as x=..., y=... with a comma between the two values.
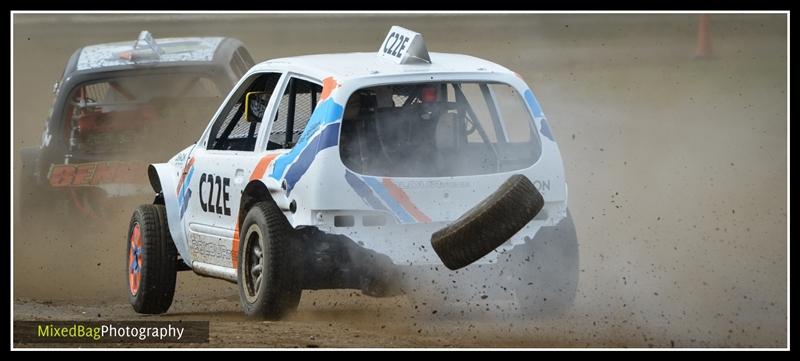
x=135, y=260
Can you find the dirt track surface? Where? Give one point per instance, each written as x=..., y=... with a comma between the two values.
x=676, y=172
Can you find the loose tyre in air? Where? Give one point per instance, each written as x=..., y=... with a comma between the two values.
x=489, y=224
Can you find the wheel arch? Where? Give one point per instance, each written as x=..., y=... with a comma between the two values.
x=255, y=191
x=155, y=180
x=160, y=176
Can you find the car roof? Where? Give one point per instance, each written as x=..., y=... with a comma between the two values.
x=361, y=65
x=176, y=50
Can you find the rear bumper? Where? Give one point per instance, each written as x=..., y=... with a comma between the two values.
x=410, y=244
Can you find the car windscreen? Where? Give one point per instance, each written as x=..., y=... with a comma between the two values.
x=134, y=112
x=437, y=129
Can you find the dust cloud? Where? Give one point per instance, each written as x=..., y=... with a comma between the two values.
x=677, y=173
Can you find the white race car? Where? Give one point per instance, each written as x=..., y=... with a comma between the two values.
x=333, y=171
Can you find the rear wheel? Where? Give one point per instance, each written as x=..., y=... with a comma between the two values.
x=537, y=278
x=545, y=269
x=268, y=269
x=152, y=260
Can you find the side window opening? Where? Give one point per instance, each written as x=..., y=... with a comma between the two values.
x=130, y=114
x=237, y=127
x=296, y=106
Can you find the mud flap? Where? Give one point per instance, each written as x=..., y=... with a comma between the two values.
x=489, y=224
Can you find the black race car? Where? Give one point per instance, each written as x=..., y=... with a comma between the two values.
x=120, y=106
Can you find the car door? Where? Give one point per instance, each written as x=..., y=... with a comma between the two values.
x=221, y=169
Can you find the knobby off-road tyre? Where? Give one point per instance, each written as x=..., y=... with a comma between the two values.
x=269, y=272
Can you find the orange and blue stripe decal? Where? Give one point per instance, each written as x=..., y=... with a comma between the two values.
x=321, y=132
x=545, y=130
x=184, y=193
x=537, y=113
x=400, y=213
x=258, y=173
x=329, y=84
x=186, y=167
x=261, y=167
x=327, y=138
x=365, y=192
x=533, y=103
x=385, y=195
x=401, y=197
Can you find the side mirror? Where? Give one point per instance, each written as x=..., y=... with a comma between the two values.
x=255, y=104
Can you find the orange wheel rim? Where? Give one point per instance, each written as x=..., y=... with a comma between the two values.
x=135, y=260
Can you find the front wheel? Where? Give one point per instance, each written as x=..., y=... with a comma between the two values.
x=268, y=273
x=152, y=260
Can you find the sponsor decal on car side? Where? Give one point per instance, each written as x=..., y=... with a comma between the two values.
x=96, y=173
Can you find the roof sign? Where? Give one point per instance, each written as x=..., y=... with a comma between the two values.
x=144, y=48
x=404, y=46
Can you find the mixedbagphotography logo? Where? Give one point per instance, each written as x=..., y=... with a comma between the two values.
x=110, y=332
